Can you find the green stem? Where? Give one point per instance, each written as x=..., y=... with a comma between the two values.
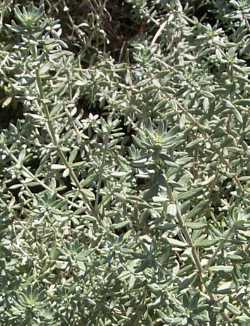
x=53, y=137
x=220, y=247
x=100, y=179
x=189, y=241
x=33, y=177
x=186, y=234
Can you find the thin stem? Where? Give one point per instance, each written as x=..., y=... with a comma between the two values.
x=220, y=246
x=53, y=137
x=189, y=241
x=100, y=179
x=186, y=234
x=35, y=178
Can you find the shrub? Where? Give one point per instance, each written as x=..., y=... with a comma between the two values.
x=124, y=196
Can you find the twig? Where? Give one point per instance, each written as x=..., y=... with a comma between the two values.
x=158, y=33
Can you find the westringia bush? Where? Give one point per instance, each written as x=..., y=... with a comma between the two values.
x=124, y=183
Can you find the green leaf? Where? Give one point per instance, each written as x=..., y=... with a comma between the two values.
x=57, y=167
x=176, y=243
x=237, y=115
x=205, y=242
x=21, y=158
x=192, y=193
x=7, y=101
x=221, y=268
x=196, y=225
x=232, y=308
x=225, y=288
x=198, y=209
x=120, y=225
x=87, y=193
x=243, y=102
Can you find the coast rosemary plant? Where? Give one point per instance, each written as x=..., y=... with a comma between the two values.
x=124, y=179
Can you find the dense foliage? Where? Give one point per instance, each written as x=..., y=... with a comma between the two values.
x=125, y=162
